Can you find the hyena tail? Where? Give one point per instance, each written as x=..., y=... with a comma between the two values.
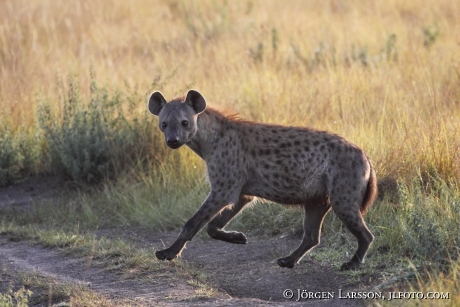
x=371, y=191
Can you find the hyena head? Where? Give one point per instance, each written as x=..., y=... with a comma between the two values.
x=177, y=118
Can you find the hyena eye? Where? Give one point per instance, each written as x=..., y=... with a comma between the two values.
x=185, y=123
x=164, y=125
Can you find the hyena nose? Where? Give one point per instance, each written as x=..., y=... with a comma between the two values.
x=172, y=141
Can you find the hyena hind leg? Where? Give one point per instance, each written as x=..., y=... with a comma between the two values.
x=216, y=225
x=313, y=220
x=354, y=221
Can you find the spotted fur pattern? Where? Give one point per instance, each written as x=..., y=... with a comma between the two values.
x=289, y=165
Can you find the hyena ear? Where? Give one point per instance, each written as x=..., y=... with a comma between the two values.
x=156, y=103
x=196, y=101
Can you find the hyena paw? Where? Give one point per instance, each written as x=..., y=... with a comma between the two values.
x=229, y=236
x=350, y=265
x=285, y=262
x=166, y=254
x=237, y=237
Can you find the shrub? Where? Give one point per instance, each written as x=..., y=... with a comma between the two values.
x=11, y=158
x=99, y=139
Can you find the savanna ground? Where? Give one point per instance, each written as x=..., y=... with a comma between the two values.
x=90, y=191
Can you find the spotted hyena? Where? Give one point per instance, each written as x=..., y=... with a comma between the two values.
x=288, y=165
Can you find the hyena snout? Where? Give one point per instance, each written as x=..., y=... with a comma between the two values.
x=176, y=136
x=173, y=142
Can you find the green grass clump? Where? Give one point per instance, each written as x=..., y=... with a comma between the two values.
x=422, y=227
x=19, y=298
x=430, y=220
x=10, y=157
x=20, y=152
x=443, y=285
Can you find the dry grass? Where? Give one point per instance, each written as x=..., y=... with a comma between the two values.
x=385, y=76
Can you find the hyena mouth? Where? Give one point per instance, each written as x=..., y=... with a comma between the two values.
x=174, y=145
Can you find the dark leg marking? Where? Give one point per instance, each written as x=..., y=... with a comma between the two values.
x=211, y=206
x=358, y=228
x=215, y=226
x=314, y=216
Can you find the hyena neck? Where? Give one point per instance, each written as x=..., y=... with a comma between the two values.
x=210, y=124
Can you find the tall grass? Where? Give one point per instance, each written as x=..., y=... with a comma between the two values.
x=385, y=77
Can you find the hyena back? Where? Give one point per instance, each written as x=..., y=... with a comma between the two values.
x=289, y=165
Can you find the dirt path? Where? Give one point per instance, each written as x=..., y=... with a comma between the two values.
x=26, y=259
x=54, y=265
x=250, y=270
x=244, y=275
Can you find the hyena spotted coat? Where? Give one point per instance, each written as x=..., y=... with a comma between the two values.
x=288, y=165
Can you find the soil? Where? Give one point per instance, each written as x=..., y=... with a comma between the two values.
x=243, y=275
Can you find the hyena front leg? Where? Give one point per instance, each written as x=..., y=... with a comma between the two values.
x=215, y=227
x=211, y=206
x=314, y=216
